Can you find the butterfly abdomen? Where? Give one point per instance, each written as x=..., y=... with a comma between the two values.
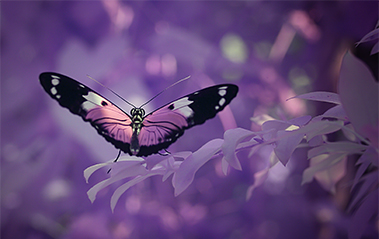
x=134, y=144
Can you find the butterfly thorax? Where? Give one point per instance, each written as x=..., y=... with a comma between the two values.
x=137, y=119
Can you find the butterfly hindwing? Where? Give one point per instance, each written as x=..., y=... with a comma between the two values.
x=109, y=120
x=166, y=124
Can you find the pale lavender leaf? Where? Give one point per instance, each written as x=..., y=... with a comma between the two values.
x=359, y=96
x=181, y=155
x=124, y=163
x=224, y=166
x=336, y=112
x=370, y=156
x=325, y=161
x=341, y=147
x=271, y=128
x=300, y=121
x=231, y=139
x=255, y=148
x=185, y=174
x=90, y=170
x=275, y=124
x=259, y=178
x=321, y=127
x=172, y=163
x=130, y=171
x=370, y=181
x=375, y=49
x=260, y=119
x=373, y=35
x=349, y=133
x=122, y=189
x=171, y=166
x=287, y=145
x=316, y=127
x=153, y=160
x=330, y=176
x=363, y=215
x=360, y=171
x=322, y=96
x=317, y=141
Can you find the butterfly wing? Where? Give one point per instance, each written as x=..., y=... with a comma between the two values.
x=166, y=124
x=110, y=121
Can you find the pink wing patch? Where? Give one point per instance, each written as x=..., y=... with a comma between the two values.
x=110, y=121
x=163, y=126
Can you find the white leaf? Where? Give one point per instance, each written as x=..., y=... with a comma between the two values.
x=231, y=139
x=321, y=127
x=336, y=112
x=131, y=171
x=122, y=189
x=287, y=145
x=341, y=147
x=373, y=35
x=322, y=96
x=185, y=174
x=90, y=170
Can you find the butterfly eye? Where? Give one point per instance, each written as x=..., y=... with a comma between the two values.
x=132, y=111
x=142, y=112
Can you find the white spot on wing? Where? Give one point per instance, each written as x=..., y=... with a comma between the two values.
x=55, y=81
x=222, y=92
x=53, y=90
x=58, y=96
x=182, y=106
x=222, y=101
x=81, y=85
x=56, y=77
x=223, y=88
x=217, y=107
x=93, y=101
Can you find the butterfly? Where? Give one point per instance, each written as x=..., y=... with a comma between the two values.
x=138, y=133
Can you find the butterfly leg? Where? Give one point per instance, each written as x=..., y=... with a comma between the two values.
x=118, y=156
x=164, y=154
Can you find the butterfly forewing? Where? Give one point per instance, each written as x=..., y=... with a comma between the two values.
x=165, y=125
x=109, y=120
x=158, y=130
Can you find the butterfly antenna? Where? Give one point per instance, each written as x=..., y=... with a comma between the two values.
x=186, y=78
x=112, y=92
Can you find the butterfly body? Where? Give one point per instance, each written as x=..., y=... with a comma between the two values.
x=138, y=134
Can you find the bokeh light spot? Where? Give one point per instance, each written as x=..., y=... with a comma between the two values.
x=234, y=48
x=56, y=189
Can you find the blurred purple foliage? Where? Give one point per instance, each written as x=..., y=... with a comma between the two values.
x=271, y=50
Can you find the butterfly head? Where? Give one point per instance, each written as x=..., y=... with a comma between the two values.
x=137, y=112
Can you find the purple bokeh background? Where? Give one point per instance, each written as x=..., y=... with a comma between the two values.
x=138, y=49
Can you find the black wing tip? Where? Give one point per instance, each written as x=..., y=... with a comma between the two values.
x=47, y=74
x=231, y=87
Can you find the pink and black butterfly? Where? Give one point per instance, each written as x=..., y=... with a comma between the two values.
x=138, y=134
